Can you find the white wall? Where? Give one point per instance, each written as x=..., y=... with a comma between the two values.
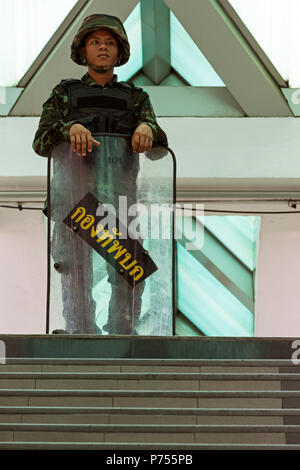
x=23, y=272
x=278, y=277
x=205, y=148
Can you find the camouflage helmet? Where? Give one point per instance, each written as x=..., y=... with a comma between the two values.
x=93, y=23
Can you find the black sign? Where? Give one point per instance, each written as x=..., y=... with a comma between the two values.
x=124, y=253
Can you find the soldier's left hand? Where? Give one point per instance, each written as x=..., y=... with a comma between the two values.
x=142, y=138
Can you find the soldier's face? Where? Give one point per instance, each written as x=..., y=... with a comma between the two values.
x=101, y=49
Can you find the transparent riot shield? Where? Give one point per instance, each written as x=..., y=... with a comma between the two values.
x=112, y=245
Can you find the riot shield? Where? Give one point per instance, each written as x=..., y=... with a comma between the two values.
x=111, y=222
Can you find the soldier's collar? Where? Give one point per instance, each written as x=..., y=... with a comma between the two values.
x=88, y=80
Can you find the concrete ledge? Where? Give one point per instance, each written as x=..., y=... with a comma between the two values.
x=146, y=347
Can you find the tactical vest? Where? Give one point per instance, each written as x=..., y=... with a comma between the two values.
x=108, y=110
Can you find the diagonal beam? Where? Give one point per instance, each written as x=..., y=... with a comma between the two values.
x=155, y=20
x=228, y=8
x=167, y=99
x=57, y=64
x=67, y=22
x=8, y=97
x=232, y=57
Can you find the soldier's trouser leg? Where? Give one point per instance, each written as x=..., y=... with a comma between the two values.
x=74, y=257
x=124, y=307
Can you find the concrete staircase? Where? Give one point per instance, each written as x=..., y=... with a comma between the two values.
x=149, y=404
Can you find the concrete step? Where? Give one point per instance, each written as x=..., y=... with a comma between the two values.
x=153, y=381
x=148, y=375
x=115, y=415
x=202, y=434
x=149, y=365
x=150, y=398
x=139, y=446
x=142, y=368
x=105, y=403
x=148, y=361
x=125, y=402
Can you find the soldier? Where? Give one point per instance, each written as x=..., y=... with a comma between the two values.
x=101, y=44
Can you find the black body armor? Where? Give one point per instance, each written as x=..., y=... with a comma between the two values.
x=108, y=110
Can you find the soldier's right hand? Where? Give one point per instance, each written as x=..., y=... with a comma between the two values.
x=81, y=139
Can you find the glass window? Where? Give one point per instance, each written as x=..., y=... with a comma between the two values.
x=206, y=303
x=25, y=28
x=275, y=26
x=134, y=32
x=188, y=60
x=215, y=284
x=238, y=234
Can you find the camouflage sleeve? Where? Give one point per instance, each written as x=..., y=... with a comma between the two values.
x=145, y=114
x=52, y=128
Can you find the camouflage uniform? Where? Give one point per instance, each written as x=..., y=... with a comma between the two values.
x=54, y=128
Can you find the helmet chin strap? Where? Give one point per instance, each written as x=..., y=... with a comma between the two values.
x=101, y=68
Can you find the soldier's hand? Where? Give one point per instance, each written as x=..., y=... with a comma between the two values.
x=81, y=139
x=142, y=138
